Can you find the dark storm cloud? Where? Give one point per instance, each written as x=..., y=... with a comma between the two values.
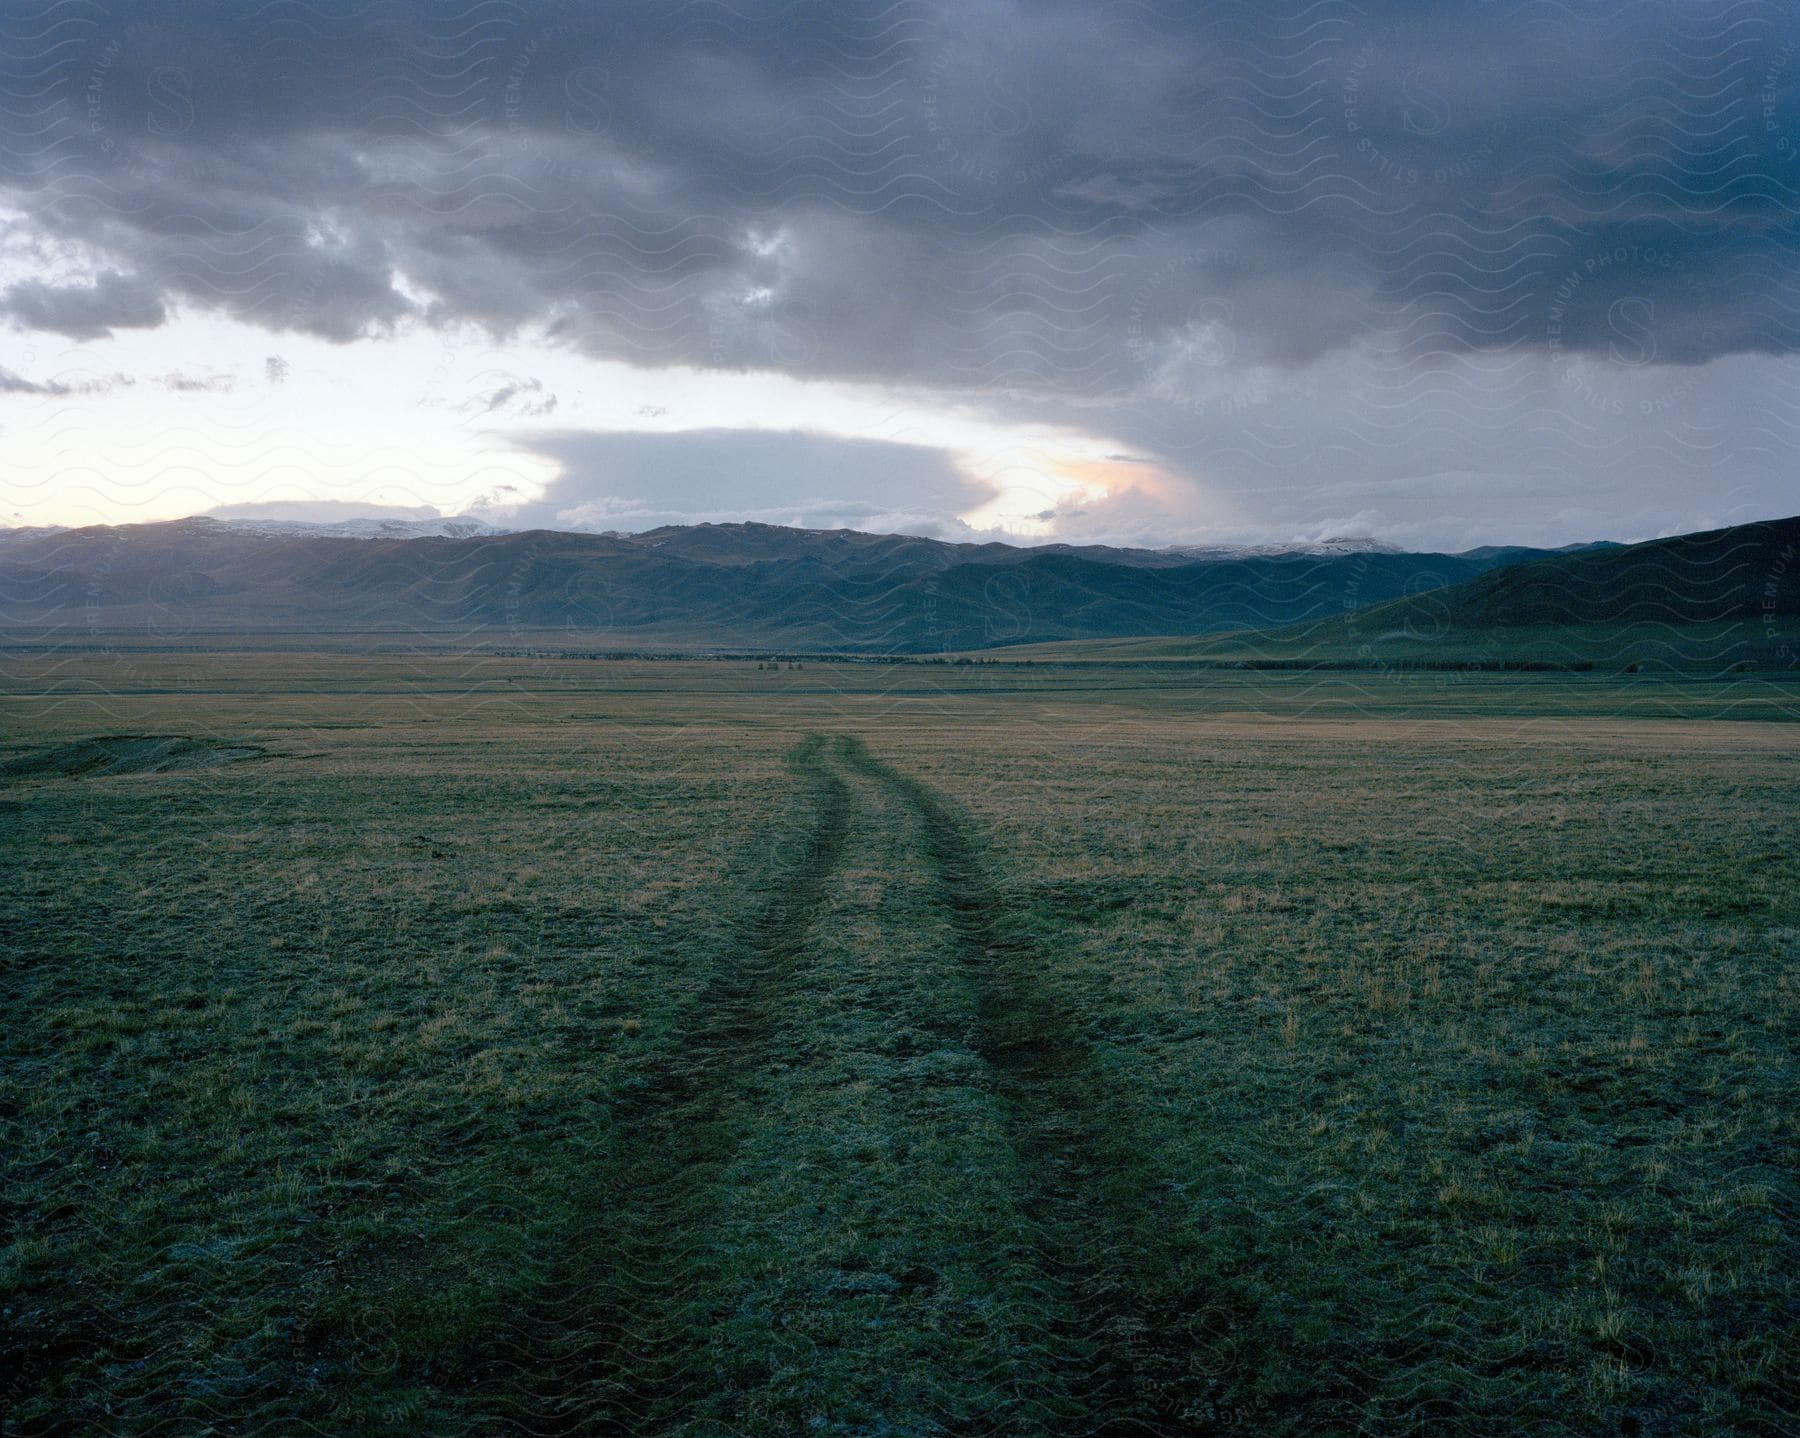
x=84, y=311
x=977, y=193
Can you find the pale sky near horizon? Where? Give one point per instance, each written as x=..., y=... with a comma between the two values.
x=1085, y=270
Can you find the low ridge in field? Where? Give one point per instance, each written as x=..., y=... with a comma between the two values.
x=124, y=754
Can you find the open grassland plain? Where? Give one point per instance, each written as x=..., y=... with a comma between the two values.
x=425, y=1045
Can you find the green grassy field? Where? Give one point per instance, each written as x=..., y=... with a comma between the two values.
x=424, y=1045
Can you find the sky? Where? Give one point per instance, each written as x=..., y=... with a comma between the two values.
x=1093, y=271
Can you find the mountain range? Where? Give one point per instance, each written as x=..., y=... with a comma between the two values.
x=715, y=586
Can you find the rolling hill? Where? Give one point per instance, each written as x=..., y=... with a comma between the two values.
x=1707, y=601
x=731, y=586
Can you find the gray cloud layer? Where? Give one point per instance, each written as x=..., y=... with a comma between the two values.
x=1182, y=218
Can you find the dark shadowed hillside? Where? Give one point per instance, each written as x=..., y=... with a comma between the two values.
x=1723, y=574
x=738, y=585
x=1697, y=601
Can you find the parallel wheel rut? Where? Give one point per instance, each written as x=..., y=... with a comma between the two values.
x=1136, y=1376
x=607, y=1344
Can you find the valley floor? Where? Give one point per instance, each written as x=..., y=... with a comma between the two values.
x=425, y=1045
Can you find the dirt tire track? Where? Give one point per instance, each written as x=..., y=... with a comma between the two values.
x=603, y=1349
x=1135, y=1372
